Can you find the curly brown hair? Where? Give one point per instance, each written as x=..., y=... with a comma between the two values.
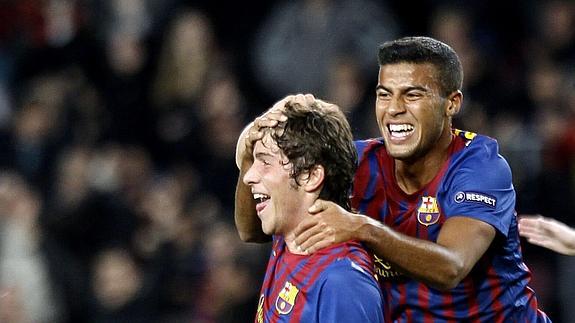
x=319, y=134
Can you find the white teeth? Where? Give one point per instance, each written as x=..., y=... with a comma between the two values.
x=260, y=197
x=400, y=127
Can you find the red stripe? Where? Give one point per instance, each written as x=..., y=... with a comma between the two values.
x=313, y=270
x=423, y=302
x=496, y=292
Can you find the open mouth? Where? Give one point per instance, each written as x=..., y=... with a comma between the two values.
x=260, y=198
x=400, y=130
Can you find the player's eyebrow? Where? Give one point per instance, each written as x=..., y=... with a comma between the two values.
x=380, y=87
x=410, y=88
x=263, y=154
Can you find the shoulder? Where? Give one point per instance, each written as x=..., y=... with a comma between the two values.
x=349, y=294
x=473, y=142
x=478, y=156
x=345, y=271
x=366, y=145
x=478, y=182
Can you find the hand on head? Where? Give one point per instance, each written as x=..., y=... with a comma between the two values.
x=269, y=119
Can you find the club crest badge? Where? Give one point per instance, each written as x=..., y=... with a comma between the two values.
x=428, y=212
x=286, y=299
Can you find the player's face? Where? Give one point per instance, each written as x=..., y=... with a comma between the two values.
x=279, y=201
x=410, y=109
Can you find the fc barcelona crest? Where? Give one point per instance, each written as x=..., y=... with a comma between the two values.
x=286, y=299
x=428, y=212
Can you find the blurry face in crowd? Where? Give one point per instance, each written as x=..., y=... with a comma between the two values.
x=411, y=113
x=116, y=278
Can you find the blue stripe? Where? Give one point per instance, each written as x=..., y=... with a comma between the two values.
x=372, y=184
x=280, y=273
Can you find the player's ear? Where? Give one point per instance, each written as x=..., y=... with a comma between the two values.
x=314, y=179
x=455, y=99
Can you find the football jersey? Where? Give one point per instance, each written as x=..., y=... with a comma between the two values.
x=335, y=284
x=475, y=181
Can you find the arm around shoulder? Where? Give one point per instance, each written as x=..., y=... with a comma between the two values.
x=461, y=243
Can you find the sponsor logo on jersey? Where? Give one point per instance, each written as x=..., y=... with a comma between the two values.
x=384, y=269
x=286, y=299
x=475, y=197
x=260, y=311
x=428, y=212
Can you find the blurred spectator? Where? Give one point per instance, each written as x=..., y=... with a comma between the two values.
x=125, y=87
x=229, y=300
x=31, y=142
x=27, y=293
x=347, y=85
x=456, y=24
x=299, y=40
x=189, y=52
x=122, y=293
x=551, y=31
x=61, y=20
x=222, y=113
x=188, y=60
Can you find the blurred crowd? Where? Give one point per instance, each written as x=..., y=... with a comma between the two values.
x=119, y=119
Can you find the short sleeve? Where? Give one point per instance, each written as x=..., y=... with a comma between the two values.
x=479, y=185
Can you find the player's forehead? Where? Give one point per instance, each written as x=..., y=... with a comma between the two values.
x=407, y=74
x=267, y=145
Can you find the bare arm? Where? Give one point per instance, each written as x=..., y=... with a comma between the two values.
x=247, y=222
x=461, y=242
x=548, y=233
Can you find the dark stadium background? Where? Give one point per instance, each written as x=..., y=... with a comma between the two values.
x=119, y=118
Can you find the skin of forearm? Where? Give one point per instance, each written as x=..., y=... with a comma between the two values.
x=247, y=222
x=570, y=244
x=414, y=257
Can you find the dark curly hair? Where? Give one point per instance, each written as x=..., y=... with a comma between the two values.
x=421, y=50
x=319, y=134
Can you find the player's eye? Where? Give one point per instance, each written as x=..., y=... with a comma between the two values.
x=414, y=95
x=383, y=95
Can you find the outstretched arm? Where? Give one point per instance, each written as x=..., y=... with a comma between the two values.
x=460, y=244
x=548, y=233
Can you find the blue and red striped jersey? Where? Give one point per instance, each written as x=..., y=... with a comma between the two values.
x=475, y=181
x=335, y=284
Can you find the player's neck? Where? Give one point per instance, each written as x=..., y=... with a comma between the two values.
x=411, y=176
x=290, y=243
x=299, y=213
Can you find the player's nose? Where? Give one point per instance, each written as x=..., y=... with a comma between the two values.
x=251, y=176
